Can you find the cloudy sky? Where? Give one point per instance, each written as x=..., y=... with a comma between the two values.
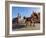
x=24, y=11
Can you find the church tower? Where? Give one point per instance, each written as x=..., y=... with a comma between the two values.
x=18, y=15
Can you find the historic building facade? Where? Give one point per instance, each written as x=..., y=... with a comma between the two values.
x=34, y=18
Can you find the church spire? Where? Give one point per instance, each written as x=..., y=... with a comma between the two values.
x=18, y=15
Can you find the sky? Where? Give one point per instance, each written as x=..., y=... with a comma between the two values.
x=24, y=11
